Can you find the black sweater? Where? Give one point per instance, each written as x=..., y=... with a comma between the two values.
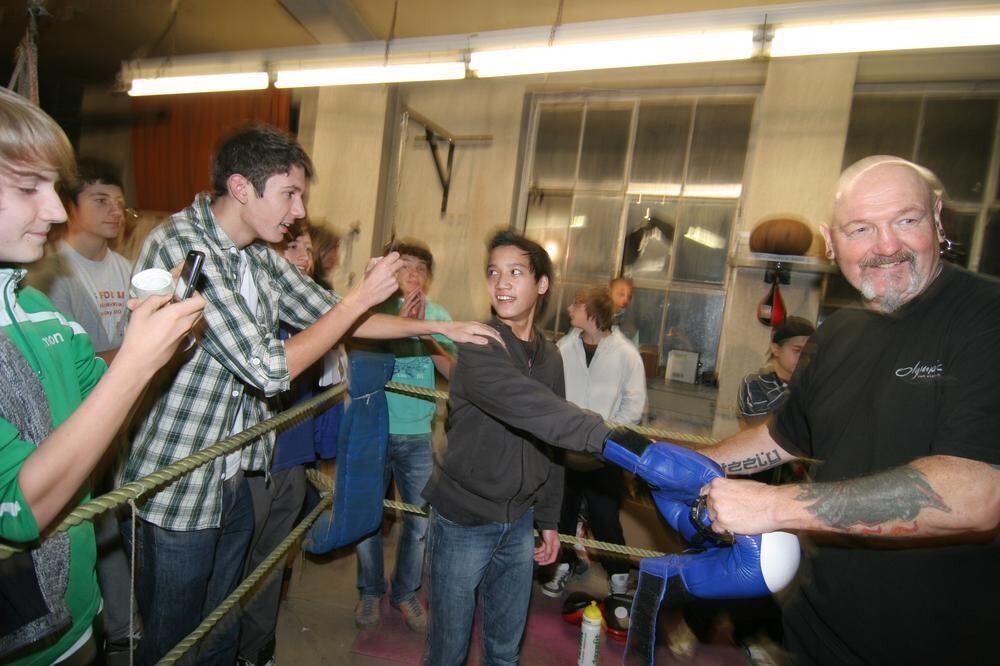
x=504, y=410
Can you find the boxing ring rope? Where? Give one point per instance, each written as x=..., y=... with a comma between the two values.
x=123, y=495
x=248, y=584
x=161, y=477
x=323, y=483
x=136, y=489
x=325, y=486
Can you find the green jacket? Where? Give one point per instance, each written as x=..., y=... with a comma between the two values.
x=60, y=352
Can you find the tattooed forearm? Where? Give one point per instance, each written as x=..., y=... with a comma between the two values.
x=761, y=461
x=872, y=501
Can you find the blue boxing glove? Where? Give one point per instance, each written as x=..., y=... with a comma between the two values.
x=677, y=473
x=754, y=566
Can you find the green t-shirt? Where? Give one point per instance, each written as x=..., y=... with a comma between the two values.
x=409, y=415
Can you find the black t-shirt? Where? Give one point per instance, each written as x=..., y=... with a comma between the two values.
x=873, y=392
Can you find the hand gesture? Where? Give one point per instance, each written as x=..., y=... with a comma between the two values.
x=414, y=305
x=155, y=328
x=379, y=282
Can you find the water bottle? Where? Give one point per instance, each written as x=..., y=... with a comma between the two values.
x=590, y=636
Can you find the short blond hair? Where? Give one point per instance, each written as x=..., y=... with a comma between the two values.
x=30, y=139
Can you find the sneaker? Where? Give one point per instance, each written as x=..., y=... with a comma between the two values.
x=413, y=613
x=366, y=613
x=555, y=586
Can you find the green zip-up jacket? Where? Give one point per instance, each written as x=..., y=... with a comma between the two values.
x=59, y=351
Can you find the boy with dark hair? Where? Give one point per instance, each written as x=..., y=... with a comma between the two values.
x=196, y=530
x=408, y=456
x=85, y=278
x=497, y=478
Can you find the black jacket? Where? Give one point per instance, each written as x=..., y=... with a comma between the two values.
x=504, y=410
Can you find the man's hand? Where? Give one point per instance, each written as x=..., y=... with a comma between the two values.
x=549, y=550
x=155, y=328
x=469, y=331
x=379, y=282
x=414, y=305
x=743, y=507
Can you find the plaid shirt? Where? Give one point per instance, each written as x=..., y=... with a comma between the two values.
x=239, y=361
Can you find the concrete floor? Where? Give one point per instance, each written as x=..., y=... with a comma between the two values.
x=316, y=621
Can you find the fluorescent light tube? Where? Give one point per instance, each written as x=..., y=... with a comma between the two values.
x=174, y=85
x=346, y=76
x=886, y=35
x=610, y=54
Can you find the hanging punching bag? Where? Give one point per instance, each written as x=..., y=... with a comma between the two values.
x=771, y=311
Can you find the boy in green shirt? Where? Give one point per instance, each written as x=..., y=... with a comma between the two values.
x=408, y=456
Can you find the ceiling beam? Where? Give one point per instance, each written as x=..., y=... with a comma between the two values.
x=330, y=21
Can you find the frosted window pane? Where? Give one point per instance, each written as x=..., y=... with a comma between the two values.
x=694, y=322
x=660, y=142
x=702, y=242
x=719, y=144
x=593, y=234
x=546, y=222
x=557, y=144
x=881, y=126
x=649, y=240
x=605, y=143
x=955, y=145
x=646, y=313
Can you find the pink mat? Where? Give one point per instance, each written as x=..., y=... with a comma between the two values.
x=548, y=641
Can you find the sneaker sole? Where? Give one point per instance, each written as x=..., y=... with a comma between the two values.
x=553, y=594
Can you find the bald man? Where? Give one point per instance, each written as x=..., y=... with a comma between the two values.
x=900, y=401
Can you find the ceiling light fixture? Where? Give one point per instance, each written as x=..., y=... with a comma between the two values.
x=929, y=32
x=811, y=28
x=173, y=85
x=611, y=54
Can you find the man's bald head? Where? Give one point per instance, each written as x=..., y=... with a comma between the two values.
x=886, y=229
x=864, y=168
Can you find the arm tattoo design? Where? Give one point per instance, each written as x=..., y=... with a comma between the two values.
x=761, y=461
x=869, y=502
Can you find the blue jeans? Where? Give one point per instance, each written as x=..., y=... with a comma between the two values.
x=494, y=560
x=182, y=576
x=408, y=460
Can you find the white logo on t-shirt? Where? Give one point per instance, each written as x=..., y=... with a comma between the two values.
x=920, y=371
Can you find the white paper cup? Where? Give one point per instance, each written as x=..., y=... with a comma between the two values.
x=152, y=282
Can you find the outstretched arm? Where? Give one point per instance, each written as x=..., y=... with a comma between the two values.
x=53, y=474
x=932, y=496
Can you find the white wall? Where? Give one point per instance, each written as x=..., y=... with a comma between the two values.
x=343, y=129
x=482, y=183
